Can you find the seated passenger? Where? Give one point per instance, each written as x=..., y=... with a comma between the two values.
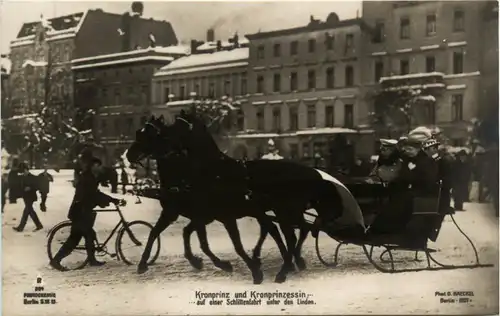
x=388, y=163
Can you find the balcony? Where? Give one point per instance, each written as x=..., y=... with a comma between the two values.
x=413, y=81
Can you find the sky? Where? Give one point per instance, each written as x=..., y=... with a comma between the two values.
x=190, y=20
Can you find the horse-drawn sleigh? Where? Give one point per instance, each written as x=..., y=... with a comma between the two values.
x=202, y=184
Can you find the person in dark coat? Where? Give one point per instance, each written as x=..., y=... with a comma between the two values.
x=14, y=182
x=5, y=188
x=29, y=185
x=461, y=178
x=44, y=180
x=124, y=179
x=87, y=197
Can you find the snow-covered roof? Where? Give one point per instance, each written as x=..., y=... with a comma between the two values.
x=34, y=63
x=180, y=50
x=198, y=62
x=456, y=86
x=426, y=98
x=412, y=76
x=5, y=65
x=326, y=130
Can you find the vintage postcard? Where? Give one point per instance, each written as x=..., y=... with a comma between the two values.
x=195, y=158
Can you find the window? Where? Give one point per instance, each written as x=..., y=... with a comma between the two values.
x=240, y=120
x=311, y=116
x=329, y=116
x=260, y=119
x=294, y=151
x=379, y=32
x=211, y=90
x=294, y=119
x=349, y=42
x=167, y=94
x=118, y=96
x=276, y=82
x=118, y=126
x=276, y=119
x=404, y=67
x=293, y=81
x=260, y=52
x=349, y=76
x=430, y=64
x=144, y=95
x=182, y=92
x=130, y=125
x=197, y=89
x=277, y=50
x=458, y=21
x=430, y=29
x=456, y=107
x=330, y=78
x=458, y=62
x=379, y=70
x=431, y=113
x=311, y=44
x=243, y=86
x=294, y=48
x=260, y=84
x=311, y=79
x=104, y=125
x=329, y=41
x=404, y=28
x=104, y=95
x=306, y=150
x=227, y=87
x=348, y=115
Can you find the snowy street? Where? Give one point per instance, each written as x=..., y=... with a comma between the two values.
x=169, y=287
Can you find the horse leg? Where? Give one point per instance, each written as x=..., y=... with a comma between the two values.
x=202, y=236
x=166, y=218
x=267, y=226
x=232, y=229
x=196, y=262
x=291, y=241
x=299, y=261
x=262, y=237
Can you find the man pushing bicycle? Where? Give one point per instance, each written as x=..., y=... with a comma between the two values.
x=87, y=197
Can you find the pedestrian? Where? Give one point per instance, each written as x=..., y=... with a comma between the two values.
x=14, y=183
x=44, y=179
x=124, y=179
x=29, y=186
x=461, y=178
x=5, y=188
x=87, y=197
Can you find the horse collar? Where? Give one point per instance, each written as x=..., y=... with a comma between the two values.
x=190, y=125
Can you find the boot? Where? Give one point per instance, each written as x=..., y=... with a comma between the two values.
x=57, y=265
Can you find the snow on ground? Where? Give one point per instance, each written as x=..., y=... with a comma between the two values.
x=354, y=287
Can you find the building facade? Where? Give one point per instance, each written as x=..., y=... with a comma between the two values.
x=5, y=66
x=305, y=86
x=208, y=74
x=430, y=45
x=43, y=50
x=117, y=88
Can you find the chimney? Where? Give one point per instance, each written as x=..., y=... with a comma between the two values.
x=219, y=46
x=194, y=46
x=210, y=35
x=236, y=42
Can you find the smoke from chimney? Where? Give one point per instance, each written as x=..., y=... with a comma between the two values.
x=210, y=35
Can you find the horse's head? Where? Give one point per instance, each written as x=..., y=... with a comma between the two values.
x=191, y=134
x=150, y=140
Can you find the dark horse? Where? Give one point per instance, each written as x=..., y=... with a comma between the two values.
x=238, y=189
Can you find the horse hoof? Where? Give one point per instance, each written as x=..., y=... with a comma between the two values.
x=258, y=277
x=225, y=266
x=301, y=263
x=196, y=262
x=142, y=268
x=280, y=278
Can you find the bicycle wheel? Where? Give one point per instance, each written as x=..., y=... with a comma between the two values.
x=57, y=236
x=128, y=250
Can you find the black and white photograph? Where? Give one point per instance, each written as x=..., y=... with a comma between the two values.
x=249, y=157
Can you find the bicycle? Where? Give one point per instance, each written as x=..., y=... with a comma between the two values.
x=123, y=228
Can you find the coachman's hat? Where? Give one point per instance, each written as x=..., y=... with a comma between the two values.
x=388, y=142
